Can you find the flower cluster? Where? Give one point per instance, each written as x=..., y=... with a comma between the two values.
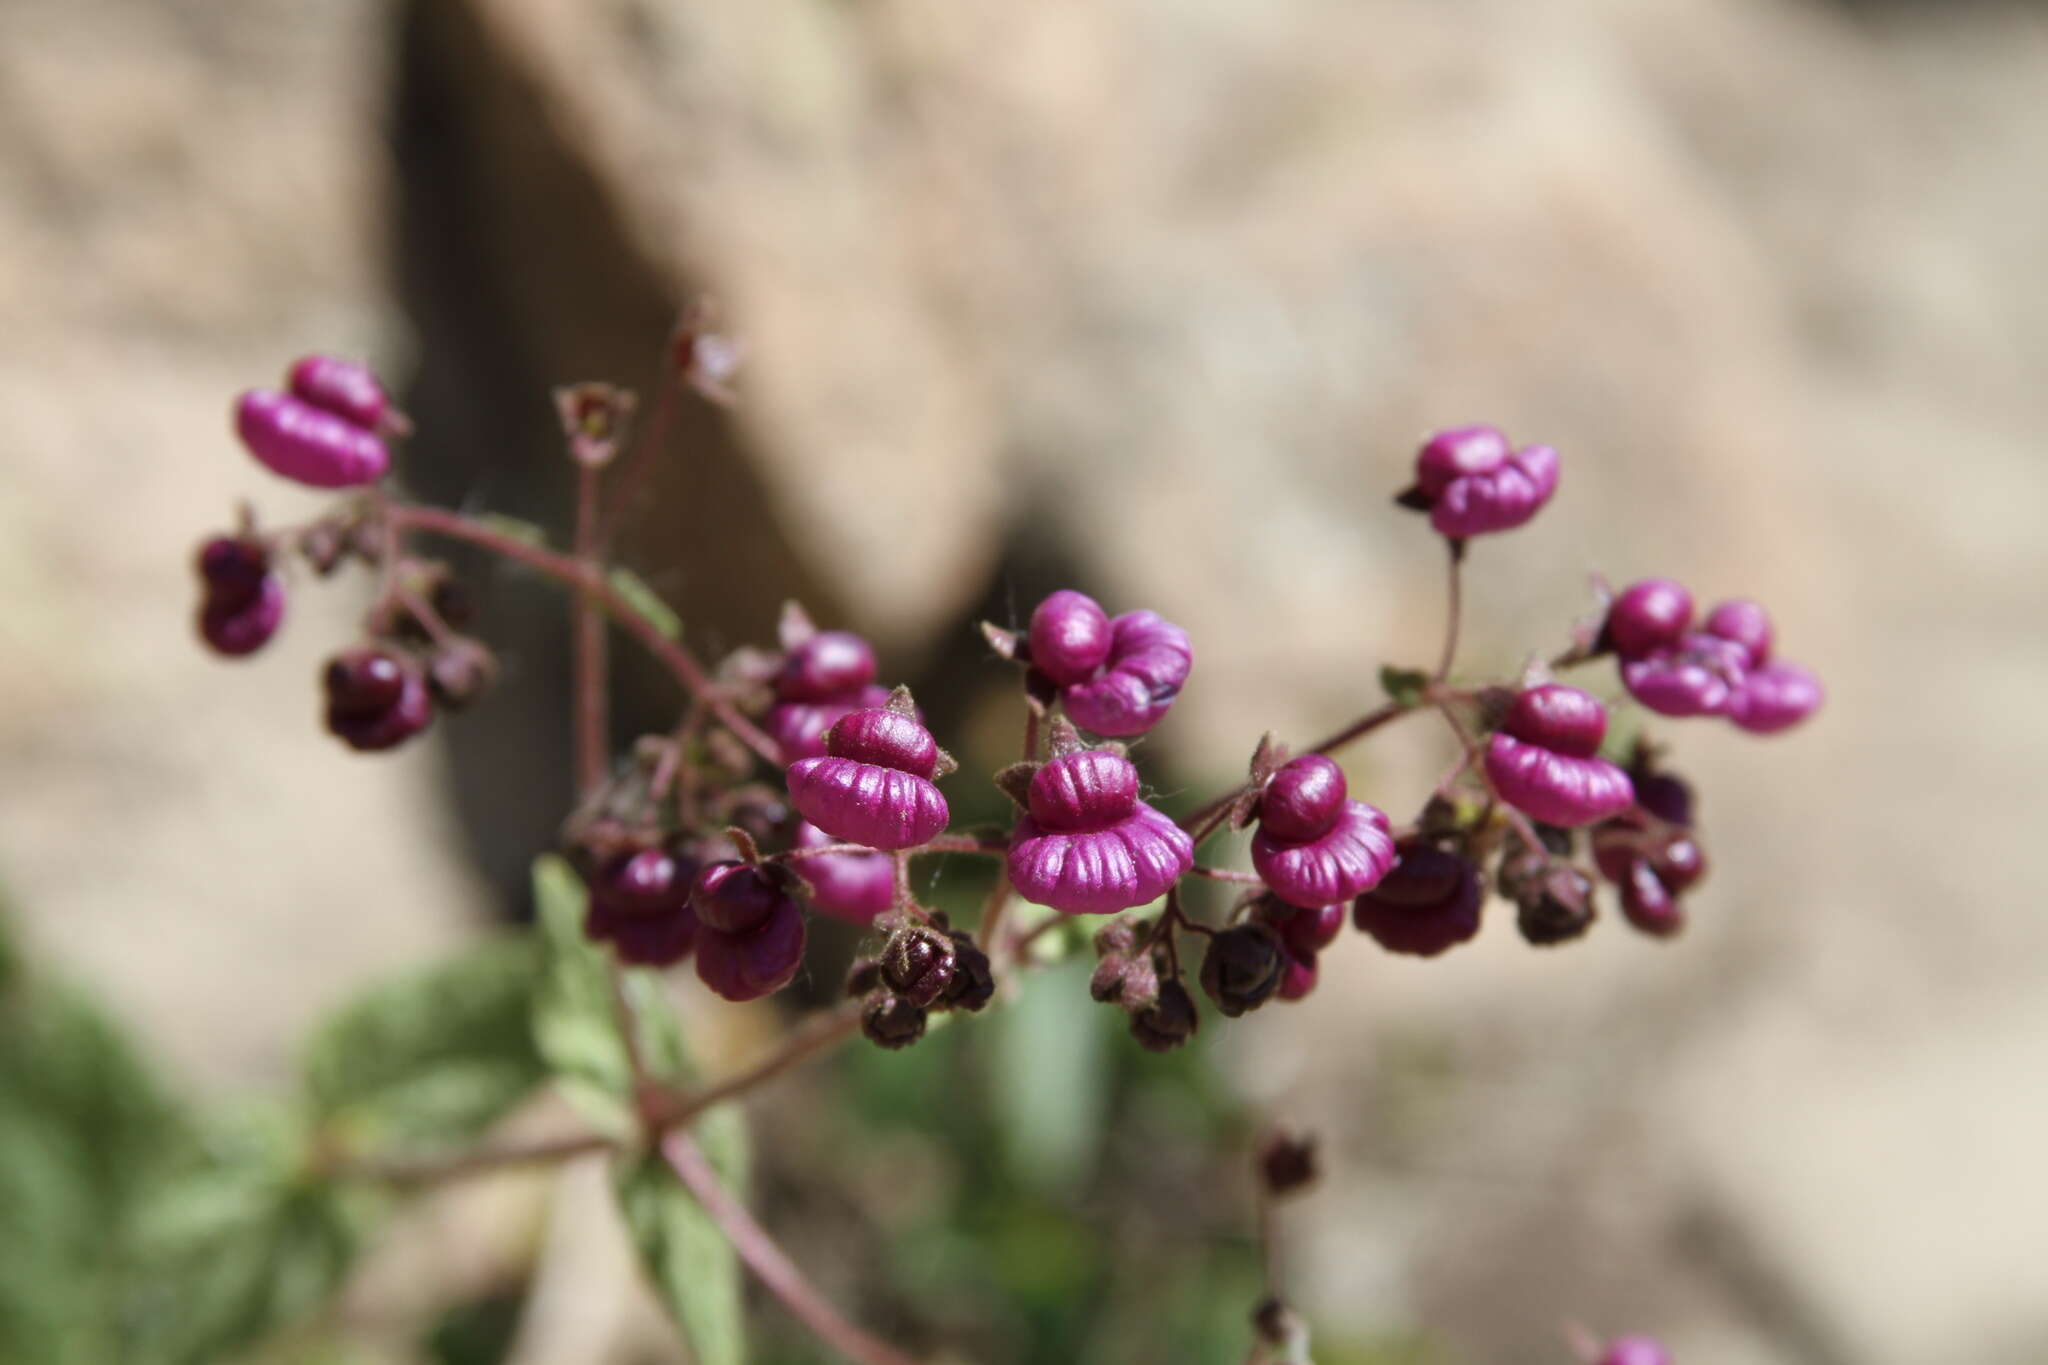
x=1722, y=667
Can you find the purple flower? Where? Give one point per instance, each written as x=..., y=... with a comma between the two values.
x=1086, y=844
x=1649, y=615
x=1471, y=483
x=244, y=601
x=1775, y=697
x=1299, y=978
x=1130, y=692
x=757, y=962
x=374, y=701
x=1315, y=847
x=1747, y=624
x=732, y=897
x=798, y=727
x=308, y=444
x=874, y=784
x=1697, y=676
x=1305, y=932
x=640, y=904
x=827, y=666
x=343, y=387
x=854, y=887
x=1543, y=762
x=1427, y=902
x=1069, y=637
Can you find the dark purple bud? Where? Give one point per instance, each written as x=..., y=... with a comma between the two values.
x=1662, y=795
x=1349, y=859
x=974, y=982
x=890, y=1021
x=1428, y=902
x=1148, y=663
x=1070, y=637
x=1287, y=1162
x=864, y=975
x=737, y=898
x=1680, y=863
x=374, y=700
x=1299, y=978
x=460, y=672
x=1648, y=903
x=750, y=965
x=242, y=627
x=1242, y=967
x=854, y=887
x=1555, y=906
x=859, y=791
x=1092, y=789
x=1698, y=676
x=917, y=964
x=1473, y=484
x=1097, y=872
x=640, y=903
x=1124, y=976
x=306, y=444
x=233, y=570
x=345, y=388
x=1169, y=1021
x=1745, y=623
x=1775, y=697
x=1303, y=799
x=1541, y=760
x=826, y=666
x=1649, y=615
x=1634, y=1351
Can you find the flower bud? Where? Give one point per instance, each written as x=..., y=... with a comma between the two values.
x=1543, y=759
x=1554, y=906
x=1169, y=1021
x=974, y=983
x=1472, y=483
x=307, y=444
x=375, y=700
x=1429, y=902
x=746, y=966
x=737, y=898
x=918, y=964
x=1649, y=615
x=1242, y=968
x=1069, y=637
x=1287, y=1162
x=890, y=1021
x=345, y=388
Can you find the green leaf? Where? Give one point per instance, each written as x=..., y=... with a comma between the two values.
x=647, y=602
x=693, y=1266
x=436, y=1057
x=1403, y=686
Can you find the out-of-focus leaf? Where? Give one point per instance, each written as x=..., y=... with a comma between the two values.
x=436, y=1057
x=243, y=1241
x=1051, y=1090
x=647, y=602
x=523, y=531
x=691, y=1263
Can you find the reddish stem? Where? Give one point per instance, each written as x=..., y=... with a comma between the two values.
x=590, y=693
x=1224, y=874
x=770, y=1264
x=1454, y=614
x=566, y=569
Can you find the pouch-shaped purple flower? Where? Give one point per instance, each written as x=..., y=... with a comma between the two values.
x=798, y=727
x=1473, y=483
x=244, y=600
x=1649, y=615
x=825, y=676
x=1775, y=697
x=309, y=444
x=375, y=701
x=1427, y=902
x=1148, y=662
x=874, y=784
x=1070, y=637
x=1316, y=847
x=1698, y=676
x=1086, y=844
x=1543, y=760
x=758, y=962
x=854, y=887
x=345, y=388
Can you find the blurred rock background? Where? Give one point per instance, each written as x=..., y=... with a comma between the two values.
x=1153, y=298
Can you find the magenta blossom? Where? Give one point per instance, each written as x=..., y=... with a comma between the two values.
x=1543, y=760
x=1697, y=676
x=309, y=444
x=1472, y=483
x=761, y=961
x=874, y=784
x=244, y=600
x=826, y=675
x=346, y=388
x=1315, y=847
x=1775, y=697
x=1086, y=844
x=1117, y=677
x=640, y=904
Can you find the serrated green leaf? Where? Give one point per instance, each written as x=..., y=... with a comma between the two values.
x=647, y=602
x=436, y=1057
x=1403, y=686
x=691, y=1263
